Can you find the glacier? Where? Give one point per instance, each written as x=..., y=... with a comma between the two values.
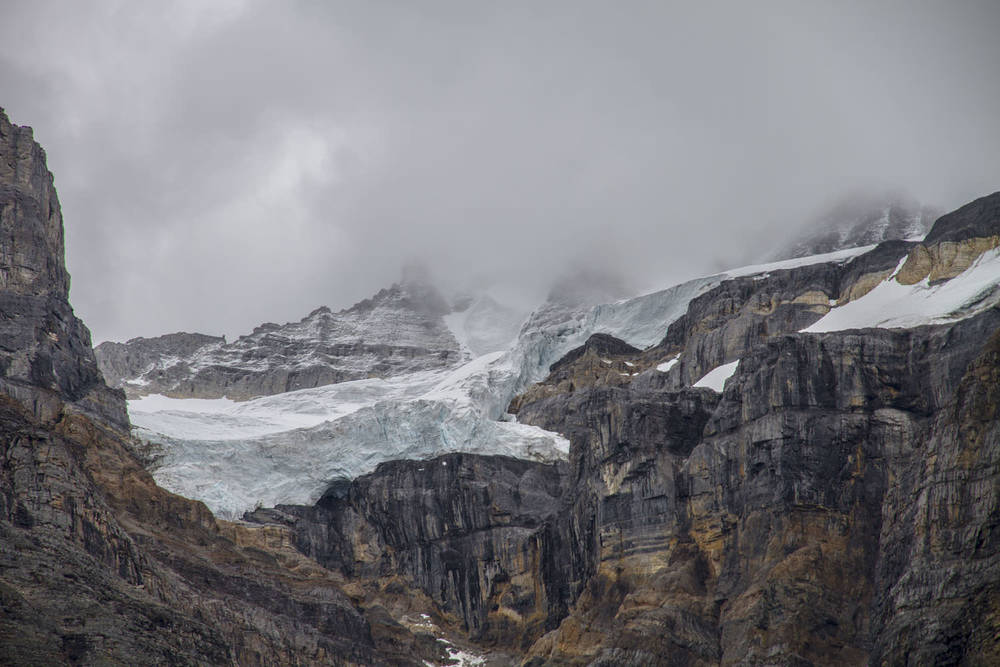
x=288, y=447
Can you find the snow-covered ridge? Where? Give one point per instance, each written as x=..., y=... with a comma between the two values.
x=406, y=328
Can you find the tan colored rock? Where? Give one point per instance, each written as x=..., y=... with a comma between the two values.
x=944, y=260
x=862, y=286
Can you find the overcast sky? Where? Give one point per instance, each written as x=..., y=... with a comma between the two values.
x=221, y=164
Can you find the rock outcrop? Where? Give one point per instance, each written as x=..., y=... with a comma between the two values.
x=836, y=504
x=786, y=530
x=46, y=360
x=474, y=533
x=601, y=360
x=724, y=323
x=957, y=240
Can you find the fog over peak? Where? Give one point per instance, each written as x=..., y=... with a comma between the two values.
x=225, y=164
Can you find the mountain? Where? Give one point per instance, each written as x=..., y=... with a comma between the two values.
x=789, y=463
x=861, y=220
x=398, y=330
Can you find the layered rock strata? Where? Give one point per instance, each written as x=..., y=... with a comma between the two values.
x=474, y=533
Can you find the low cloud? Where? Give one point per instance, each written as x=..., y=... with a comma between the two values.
x=222, y=167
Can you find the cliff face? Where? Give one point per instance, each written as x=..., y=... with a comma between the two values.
x=839, y=506
x=46, y=360
x=472, y=532
x=98, y=565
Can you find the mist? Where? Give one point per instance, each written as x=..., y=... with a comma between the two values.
x=220, y=166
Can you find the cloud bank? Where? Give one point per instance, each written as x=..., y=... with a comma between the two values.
x=222, y=165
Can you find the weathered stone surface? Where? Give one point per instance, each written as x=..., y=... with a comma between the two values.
x=471, y=532
x=837, y=504
x=955, y=242
x=938, y=574
x=977, y=219
x=788, y=532
x=727, y=321
x=944, y=260
x=42, y=344
x=602, y=360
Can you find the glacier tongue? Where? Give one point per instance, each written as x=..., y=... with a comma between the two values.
x=287, y=448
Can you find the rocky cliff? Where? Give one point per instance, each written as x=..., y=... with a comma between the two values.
x=46, y=361
x=835, y=501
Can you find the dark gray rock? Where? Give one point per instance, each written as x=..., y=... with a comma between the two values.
x=98, y=565
x=472, y=532
x=600, y=344
x=843, y=481
x=977, y=219
x=723, y=324
x=46, y=360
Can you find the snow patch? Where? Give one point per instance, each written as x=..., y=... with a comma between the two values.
x=716, y=378
x=840, y=256
x=667, y=365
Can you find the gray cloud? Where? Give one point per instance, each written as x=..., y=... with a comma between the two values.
x=221, y=167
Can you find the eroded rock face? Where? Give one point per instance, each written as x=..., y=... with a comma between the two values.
x=42, y=343
x=101, y=566
x=956, y=241
x=808, y=515
x=474, y=533
x=739, y=314
x=601, y=360
x=787, y=531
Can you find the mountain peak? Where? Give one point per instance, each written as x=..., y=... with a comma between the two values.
x=860, y=219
